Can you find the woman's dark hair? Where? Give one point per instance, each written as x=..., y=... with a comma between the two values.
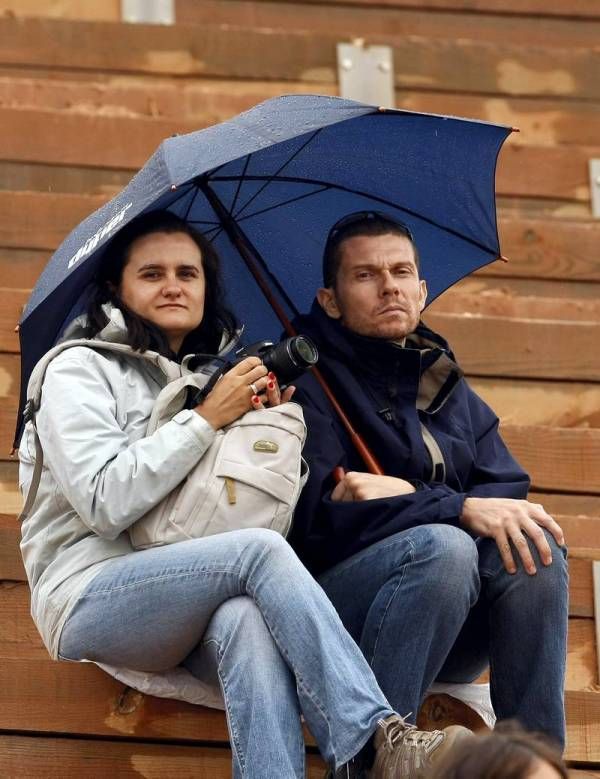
x=143, y=335
x=509, y=752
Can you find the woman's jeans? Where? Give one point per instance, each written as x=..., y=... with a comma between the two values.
x=430, y=603
x=239, y=608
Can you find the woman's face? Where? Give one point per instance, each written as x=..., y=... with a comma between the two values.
x=163, y=282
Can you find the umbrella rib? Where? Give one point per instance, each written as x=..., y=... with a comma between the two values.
x=239, y=186
x=192, y=201
x=216, y=230
x=376, y=198
x=275, y=175
x=235, y=233
x=286, y=202
x=181, y=195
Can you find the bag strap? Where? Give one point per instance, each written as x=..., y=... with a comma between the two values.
x=172, y=399
x=34, y=396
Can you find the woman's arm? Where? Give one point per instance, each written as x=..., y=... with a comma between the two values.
x=109, y=481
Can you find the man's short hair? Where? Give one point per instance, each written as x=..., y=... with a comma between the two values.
x=370, y=223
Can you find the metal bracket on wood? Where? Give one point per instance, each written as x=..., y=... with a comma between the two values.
x=148, y=11
x=366, y=73
x=595, y=187
x=596, y=575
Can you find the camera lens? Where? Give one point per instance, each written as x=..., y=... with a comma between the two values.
x=303, y=351
x=290, y=358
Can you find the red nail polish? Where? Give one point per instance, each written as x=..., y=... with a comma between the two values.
x=271, y=375
x=255, y=399
x=270, y=385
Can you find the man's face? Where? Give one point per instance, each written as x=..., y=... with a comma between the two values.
x=378, y=291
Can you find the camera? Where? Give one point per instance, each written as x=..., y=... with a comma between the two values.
x=288, y=359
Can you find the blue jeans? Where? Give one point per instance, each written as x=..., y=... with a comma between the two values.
x=431, y=604
x=239, y=608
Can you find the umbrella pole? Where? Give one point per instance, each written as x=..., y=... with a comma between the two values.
x=248, y=253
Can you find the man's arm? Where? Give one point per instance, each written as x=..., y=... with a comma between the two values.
x=326, y=530
x=486, y=512
x=489, y=513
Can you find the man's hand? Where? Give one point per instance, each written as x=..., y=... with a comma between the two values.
x=506, y=520
x=367, y=486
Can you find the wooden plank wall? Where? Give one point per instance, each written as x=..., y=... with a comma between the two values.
x=84, y=100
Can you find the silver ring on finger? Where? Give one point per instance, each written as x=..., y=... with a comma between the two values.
x=254, y=388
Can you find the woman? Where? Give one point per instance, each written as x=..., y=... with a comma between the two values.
x=235, y=611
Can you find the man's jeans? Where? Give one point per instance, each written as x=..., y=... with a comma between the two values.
x=239, y=608
x=431, y=604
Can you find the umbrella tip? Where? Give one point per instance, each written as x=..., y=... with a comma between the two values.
x=503, y=258
x=515, y=130
x=382, y=109
x=173, y=187
x=17, y=328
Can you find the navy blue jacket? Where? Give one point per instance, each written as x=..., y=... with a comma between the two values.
x=390, y=393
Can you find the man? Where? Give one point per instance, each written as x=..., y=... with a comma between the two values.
x=441, y=567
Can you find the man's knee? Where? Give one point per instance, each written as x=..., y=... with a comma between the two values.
x=451, y=558
x=552, y=579
x=449, y=546
x=547, y=584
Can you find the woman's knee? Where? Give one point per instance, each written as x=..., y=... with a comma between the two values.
x=268, y=541
x=239, y=613
x=238, y=627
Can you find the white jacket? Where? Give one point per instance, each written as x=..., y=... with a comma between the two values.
x=101, y=474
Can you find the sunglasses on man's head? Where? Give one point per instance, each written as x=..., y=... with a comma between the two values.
x=365, y=216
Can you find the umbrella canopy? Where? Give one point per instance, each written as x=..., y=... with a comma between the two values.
x=277, y=177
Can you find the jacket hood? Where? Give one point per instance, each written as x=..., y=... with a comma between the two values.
x=438, y=370
x=115, y=331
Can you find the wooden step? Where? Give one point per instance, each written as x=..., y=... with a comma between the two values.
x=516, y=402
x=203, y=101
x=426, y=17
x=553, y=249
x=42, y=696
x=23, y=757
x=542, y=121
x=582, y=535
x=468, y=64
x=561, y=459
x=567, y=8
x=519, y=347
x=71, y=139
x=187, y=9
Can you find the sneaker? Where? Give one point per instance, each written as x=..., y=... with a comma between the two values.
x=403, y=752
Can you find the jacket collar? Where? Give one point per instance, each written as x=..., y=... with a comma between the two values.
x=423, y=350
x=115, y=331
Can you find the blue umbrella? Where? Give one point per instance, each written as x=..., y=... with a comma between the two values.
x=269, y=183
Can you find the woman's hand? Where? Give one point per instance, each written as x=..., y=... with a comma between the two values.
x=235, y=393
x=273, y=395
